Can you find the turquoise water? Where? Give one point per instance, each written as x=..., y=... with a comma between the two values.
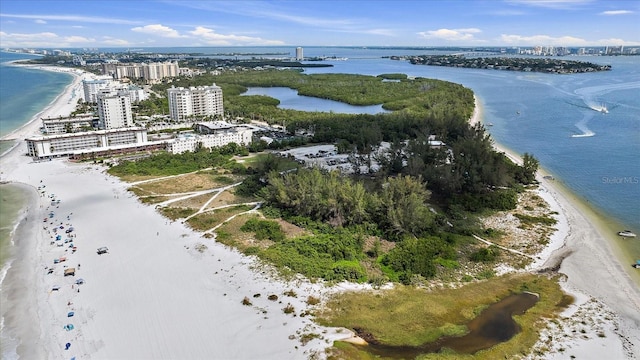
x=24, y=93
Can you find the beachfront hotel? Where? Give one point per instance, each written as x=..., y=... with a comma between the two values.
x=211, y=134
x=70, y=124
x=114, y=110
x=189, y=103
x=91, y=141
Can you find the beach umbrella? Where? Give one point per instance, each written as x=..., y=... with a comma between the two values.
x=80, y=281
x=70, y=314
x=67, y=346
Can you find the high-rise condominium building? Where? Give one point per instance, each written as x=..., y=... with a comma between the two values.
x=147, y=71
x=299, y=54
x=92, y=87
x=195, y=102
x=114, y=110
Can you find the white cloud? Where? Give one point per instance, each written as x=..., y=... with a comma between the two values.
x=545, y=40
x=159, y=30
x=616, y=12
x=451, y=34
x=40, y=21
x=542, y=40
x=114, y=42
x=78, y=39
x=49, y=39
x=210, y=37
x=552, y=4
x=43, y=39
x=77, y=18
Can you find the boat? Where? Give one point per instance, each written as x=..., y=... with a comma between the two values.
x=636, y=265
x=603, y=109
x=626, y=233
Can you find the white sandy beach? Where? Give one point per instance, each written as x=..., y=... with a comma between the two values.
x=153, y=296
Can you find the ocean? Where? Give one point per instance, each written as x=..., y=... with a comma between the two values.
x=24, y=93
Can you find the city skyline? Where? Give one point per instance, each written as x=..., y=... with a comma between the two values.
x=168, y=23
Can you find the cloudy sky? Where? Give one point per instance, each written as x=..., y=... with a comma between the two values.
x=143, y=23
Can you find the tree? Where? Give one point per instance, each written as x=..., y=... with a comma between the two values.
x=402, y=208
x=529, y=169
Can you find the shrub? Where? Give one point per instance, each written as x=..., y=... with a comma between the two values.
x=485, y=254
x=312, y=300
x=289, y=309
x=264, y=229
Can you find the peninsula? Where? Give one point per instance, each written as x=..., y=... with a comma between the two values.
x=546, y=65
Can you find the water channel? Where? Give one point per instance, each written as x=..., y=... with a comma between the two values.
x=494, y=325
x=289, y=99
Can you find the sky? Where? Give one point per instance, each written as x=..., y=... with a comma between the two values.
x=169, y=23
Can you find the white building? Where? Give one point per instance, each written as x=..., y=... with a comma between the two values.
x=66, y=144
x=114, y=110
x=92, y=87
x=217, y=134
x=137, y=94
x=299, y=54
x=193, y=102
x=151, y=72
x=71, y=124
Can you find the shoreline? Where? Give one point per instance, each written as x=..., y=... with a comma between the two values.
x=584, y=248
x=56, y=107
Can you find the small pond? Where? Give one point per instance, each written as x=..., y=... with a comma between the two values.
x=494, y=325
x=289, y=99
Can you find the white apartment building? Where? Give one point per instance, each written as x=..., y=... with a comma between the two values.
x=92, y=87
x=299, y=54
x=185, y=104
x=66, y=144
x=219, y=134
x=114, y=110
x=137, y=94
x=150, y=72
x=60, y=125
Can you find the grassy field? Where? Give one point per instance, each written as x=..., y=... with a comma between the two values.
x=413, y=316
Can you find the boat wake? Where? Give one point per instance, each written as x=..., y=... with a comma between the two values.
x=599, y=108
x=582, y=126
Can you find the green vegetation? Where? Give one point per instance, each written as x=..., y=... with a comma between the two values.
x=528, y=220
x=547, y=65
x=408, y=222
x=412, y=316
x=164, y=164
x=264, y=229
